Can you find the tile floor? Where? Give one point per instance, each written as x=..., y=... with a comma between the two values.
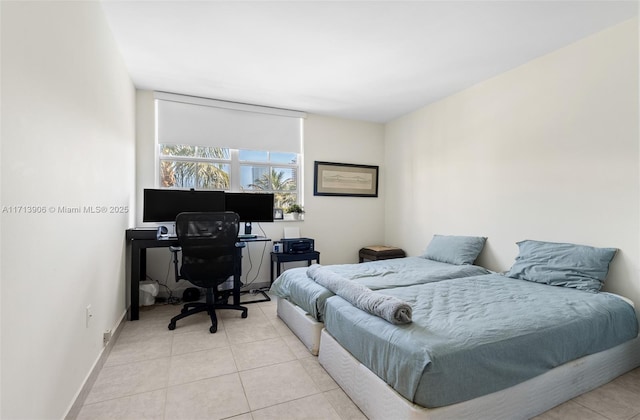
x=253, y=369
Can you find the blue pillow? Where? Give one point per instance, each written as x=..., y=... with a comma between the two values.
x=568, y=265
x=457, y=250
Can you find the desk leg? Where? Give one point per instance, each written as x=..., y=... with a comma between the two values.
x=271, y=270
x=138, y=256
x=236, y=277
x=279, y=268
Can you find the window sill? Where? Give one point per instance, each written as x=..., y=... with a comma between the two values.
x=290, y=219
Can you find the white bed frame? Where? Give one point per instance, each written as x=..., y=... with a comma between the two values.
x=303, y=325
x=377, y=400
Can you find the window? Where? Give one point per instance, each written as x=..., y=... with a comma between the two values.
x=217, y=145
x=272, y=172
x=184, y=166
x=215, y=168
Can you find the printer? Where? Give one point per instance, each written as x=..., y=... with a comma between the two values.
x=296, y=245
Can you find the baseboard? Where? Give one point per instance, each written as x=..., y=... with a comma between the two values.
x=75, y=408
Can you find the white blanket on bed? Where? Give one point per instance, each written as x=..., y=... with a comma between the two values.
x=386, y=307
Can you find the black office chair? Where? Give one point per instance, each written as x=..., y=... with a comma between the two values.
x=209, y=257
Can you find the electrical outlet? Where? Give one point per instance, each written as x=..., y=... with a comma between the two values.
x=106, y=336
x=89, y=314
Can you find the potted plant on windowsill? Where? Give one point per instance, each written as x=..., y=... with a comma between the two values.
x=295, y=210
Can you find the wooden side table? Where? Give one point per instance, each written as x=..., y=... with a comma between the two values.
x=379, y=252
x=278, y=258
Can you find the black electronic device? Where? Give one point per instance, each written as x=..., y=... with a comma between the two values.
x=297, y=245
x=251, y=207
x=163, y=205
x=142, y=233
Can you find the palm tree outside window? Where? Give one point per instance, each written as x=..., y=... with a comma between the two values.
x=214, y=168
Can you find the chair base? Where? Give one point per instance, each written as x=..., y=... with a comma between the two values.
x=210, y=307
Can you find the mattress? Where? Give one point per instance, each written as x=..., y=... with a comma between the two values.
x=475, y=336
x=296, y=286
x=377, y=400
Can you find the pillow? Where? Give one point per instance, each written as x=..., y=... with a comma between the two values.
x=558, y=264
x=457, y=250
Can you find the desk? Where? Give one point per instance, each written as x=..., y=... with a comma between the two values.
x=277, y=258
x=138, y=240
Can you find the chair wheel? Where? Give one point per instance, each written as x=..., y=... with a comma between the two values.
x=213, y=329
x=244, y=314
x=172, y=326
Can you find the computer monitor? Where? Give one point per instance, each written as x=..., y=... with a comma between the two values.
x=163, y=205
x=251, y=207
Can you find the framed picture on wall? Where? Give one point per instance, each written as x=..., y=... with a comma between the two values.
x=345, y=179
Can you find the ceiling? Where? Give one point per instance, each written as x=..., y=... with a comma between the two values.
x=364, y=60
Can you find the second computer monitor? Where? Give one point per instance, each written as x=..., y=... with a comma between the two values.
x=251, y=207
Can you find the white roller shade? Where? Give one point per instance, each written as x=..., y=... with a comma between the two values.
x=208, y=122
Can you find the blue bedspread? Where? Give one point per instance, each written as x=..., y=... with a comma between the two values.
x=296, y=286
x=478, y=335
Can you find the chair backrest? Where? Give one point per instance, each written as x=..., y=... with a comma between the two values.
x=208, y=242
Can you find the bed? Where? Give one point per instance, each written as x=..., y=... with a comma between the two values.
x=301, y=300
x=377, y=400
x=489, y=346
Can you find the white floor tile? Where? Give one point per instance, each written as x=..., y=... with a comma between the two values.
x=198, y=340
x=194, y=366
x=129, y=379
x=214, y=398
x=314, y=407
x=276, y=384
x=343, y=405
x=145, y=406
x=255, y=364
x=261, y=353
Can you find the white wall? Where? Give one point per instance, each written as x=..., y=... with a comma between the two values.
x=547, y=151
x=343, y=225
x=339, y=225
x=68, y=122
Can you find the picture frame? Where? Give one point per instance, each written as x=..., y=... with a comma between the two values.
x=278, y=214
x=345, y=179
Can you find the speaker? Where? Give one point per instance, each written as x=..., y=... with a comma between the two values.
x=166, y=230
x=190, y=294
x=163, y=232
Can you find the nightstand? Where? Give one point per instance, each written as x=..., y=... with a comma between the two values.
x=379, y=252
x=278, y=258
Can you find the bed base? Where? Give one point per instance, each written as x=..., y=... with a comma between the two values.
x=377, y=400
x=303, y=325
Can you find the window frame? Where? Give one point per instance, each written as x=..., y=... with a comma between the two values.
x=235, y=167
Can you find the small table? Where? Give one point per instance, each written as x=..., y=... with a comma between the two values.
x=379, y=252
x=278, y=258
